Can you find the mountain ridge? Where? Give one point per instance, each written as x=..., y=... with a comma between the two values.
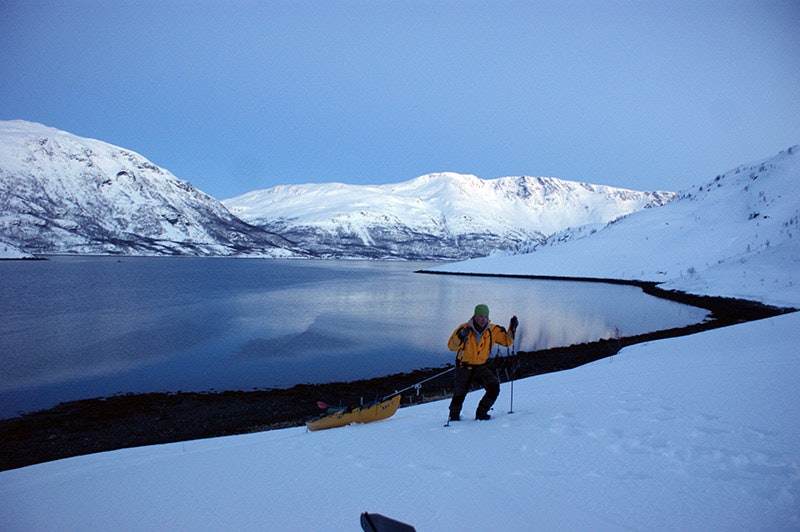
x=64, y=194
x=60, y=193
x=441, y=215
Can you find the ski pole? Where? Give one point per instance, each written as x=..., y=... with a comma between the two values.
x=513, y=376
x=511, y=407
x=513, y=372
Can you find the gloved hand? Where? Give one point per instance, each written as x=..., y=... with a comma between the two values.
x=513, y=325
x=463, y=332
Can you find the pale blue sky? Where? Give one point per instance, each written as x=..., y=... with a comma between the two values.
x=236, y=95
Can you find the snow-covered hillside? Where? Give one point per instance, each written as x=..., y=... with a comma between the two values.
x=699, y=432
x=692, y=433
x=738, y=232
x=8, y=251
x=443, y=216
x=60, y=193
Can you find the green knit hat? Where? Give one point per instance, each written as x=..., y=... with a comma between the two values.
x=482, y=310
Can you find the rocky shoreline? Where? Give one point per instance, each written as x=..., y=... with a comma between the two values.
x=104, y=424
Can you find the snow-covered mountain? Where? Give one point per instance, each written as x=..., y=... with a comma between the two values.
x=60, y=193
x=739, y=229
x=442, y=216
x=706, y=423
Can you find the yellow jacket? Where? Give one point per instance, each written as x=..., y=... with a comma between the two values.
x=476, y=349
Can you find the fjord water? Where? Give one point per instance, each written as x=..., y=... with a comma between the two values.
x=81, y=327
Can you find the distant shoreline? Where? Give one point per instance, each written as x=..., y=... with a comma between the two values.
x=103, y=424
x=725, y=308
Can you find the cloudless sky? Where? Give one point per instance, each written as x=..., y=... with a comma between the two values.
x=240, y=95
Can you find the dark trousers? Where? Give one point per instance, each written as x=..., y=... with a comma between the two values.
x=464, y=377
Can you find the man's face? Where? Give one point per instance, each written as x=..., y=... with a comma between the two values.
x=481, y=321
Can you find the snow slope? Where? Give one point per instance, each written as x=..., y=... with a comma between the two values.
x=692, y=433
x=8, y=251
x=60, y=193
x=737, y=235
x=444, y=215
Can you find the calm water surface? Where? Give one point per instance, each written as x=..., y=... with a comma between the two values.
x=74, y=328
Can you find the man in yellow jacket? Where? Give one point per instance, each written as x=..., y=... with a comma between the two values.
x=473, y=341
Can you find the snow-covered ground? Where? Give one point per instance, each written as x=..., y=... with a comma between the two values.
x=693, y=433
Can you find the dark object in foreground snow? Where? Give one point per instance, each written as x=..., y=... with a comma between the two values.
x=381, y=523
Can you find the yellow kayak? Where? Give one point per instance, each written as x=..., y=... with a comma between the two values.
x=363, y=414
